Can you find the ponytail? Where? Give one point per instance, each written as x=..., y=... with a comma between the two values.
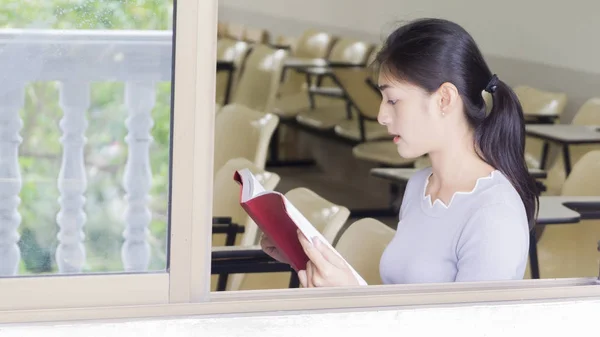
x=500, y=138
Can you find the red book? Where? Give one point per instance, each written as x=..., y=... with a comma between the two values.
x=275, y=215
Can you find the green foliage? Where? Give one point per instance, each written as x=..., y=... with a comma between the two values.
x=87, y=14
x=105, y=151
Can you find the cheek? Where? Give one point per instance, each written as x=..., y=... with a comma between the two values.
x=410, y=118
x=400, y=122
x=417, y=127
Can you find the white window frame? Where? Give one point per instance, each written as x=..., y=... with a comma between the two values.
x=191, y=202
x=185, y=289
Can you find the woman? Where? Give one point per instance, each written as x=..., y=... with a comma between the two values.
x=468, y=216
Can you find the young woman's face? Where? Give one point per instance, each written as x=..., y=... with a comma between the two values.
x=411, y=115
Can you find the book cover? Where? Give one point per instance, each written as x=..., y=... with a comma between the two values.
x=277, y=217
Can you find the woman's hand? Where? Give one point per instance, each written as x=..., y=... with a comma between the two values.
x=325, y=268
x=268, y=247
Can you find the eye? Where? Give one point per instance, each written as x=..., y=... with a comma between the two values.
x=392, y=102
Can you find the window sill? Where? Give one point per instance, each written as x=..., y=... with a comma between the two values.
x=330, y=300
x=491, y=320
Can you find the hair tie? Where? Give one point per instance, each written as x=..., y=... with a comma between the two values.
x=492, y=84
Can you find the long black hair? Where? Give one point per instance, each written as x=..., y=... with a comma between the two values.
x=430, y=52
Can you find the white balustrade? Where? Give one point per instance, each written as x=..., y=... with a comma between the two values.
x=72, y=182
x=77, y=58
x=137, y=180
x=11, y=101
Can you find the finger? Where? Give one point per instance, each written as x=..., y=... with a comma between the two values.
x=304, y=241
x=328, y=253
x=266, y=240
x=307, y=246
x=317, y=280
x=309, y=274
x=266, y=245
x=313, y=254
x=273, y=252
x=302, y=278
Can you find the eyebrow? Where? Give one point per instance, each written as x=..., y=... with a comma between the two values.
x=382, y=87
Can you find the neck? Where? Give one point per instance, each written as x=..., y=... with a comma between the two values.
x=457, y=163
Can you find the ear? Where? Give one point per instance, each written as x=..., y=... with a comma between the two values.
x=447, y=97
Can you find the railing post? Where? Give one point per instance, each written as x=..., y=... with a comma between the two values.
x=12, y=98
x=140, y=99
x=72, y=182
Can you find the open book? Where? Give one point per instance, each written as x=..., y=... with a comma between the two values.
x=275, y=215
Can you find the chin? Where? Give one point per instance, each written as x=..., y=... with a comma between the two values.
x=408, y=153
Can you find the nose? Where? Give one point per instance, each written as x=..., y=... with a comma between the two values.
x=382, y=117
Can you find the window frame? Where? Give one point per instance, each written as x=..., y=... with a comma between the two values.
x=190, y=203
x=190, y=234
x=328, y=300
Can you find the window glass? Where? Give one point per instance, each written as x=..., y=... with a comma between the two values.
x=85, y=120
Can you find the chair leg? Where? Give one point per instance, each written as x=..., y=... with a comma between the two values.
x=229, y=241
x=274, y=160
x=533, y=256
x=274, y=145
x=222, y=282
x=231, y=234
x=294, y=281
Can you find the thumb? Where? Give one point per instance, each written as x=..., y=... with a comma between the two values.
x=328, y=253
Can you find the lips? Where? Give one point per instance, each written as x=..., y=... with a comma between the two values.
x=396, y=137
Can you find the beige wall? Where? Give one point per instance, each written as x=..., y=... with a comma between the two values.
x=556, y=49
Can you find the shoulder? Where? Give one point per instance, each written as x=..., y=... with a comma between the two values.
x=497, y=195
x=496, y=208
x=495, y=221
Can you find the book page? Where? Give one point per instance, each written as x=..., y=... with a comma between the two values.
x=251, y=186
x=257, y=187
x=310, y=232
